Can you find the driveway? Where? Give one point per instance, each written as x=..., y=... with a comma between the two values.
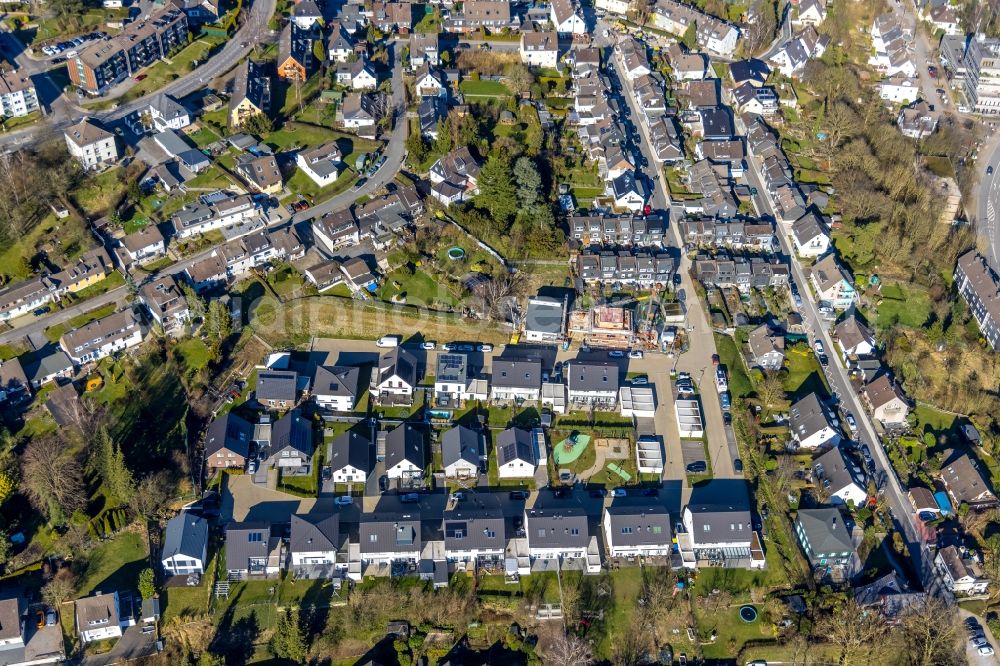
x=971, y=655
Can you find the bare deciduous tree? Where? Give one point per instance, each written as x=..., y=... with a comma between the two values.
x=772, y=389
x=52, y=478
x=568, y=650
x=931, y=635
x=500, y=294
x=859, y=636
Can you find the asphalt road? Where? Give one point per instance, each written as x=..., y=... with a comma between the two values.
x=836, y=374
x=64, y=112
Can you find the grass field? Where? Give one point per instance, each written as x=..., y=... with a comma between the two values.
x=804, y=372
x=162, y=73
x=419, y=288
x=739, y=383
x=905, y=305
x=100, y=192
x=472, y=88
x=195, y=354
x=114, y=564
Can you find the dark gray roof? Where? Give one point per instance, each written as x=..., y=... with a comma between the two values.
x=833, y=466
x=230, y=432
x=562, y=525
x=336, y=380
x=826, y=530
x=246, y=540
x=354, y=449
x=252, y=82
x=592, y=376
x=638, y=524
x=720, y=511
x=716, y=122
x=390, y=532
x=514, y=444
x=406, y=442
x=10, y=618
x=807, y=417
x=398, y=362
x=475, y=523
x=276, y=385
x=311, y=533
x=509, y=373
x=452, y=368
x=186, y=534
x=544, y=315
x=292, y=431
x=460, y=443
x=42, y=366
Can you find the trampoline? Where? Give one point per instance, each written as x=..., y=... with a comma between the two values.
x=456, y=253
x=748, y=614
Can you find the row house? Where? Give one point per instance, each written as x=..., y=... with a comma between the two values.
x=559, y=532
x=791, y=57
x=648, y=91
x=631, y=230
x=712, y=33
x=493, y=15
x=634, y=58
x=737, y=235
x=643, y=269
x=140, y=246
x=102, y=337
x=20, y=298
x=213, y=211
x=891, y=41
x=741, y=272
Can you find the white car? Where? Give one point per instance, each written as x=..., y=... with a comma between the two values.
x=457, y=497
x=448, y=346
x=428, y=345
x=618, y=492
x=851, y=422
x=346, y=500
x=985, y=651
x=818, y=346
x=388, y=341
x=635, y=353
x=485, y=348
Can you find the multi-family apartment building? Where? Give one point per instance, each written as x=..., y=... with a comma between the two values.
x=17, y=95
x=713, y=34
x=104, y=63
x=103, y=337
x=642, y=268
x=979, y=286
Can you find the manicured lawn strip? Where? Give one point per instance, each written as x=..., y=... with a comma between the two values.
x=473, y=88
x=908, y=306
x=114, y=564
x=162, y=73
x=739, y=382
x=112, y=281
x=195, y=354
x=805, y=375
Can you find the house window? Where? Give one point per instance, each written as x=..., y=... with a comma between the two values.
x=626, y=530
x=372, y=538
x=705, y=527
x=255, y=537
x=657, y=529
x=574, y=531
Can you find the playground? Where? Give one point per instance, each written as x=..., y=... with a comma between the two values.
x=571, y=448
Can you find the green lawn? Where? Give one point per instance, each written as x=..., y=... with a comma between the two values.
x=297, y=135
x=805, y=375
x=304, y=186
x=471, y=88
x=195, y=354
x=114, y=564
x=211, y=178
x=53, y=333
x=183, y=602
x=739, y=383
x=908, y=306
x=100, y=192
x=419, y=288
x=21, y=121
x=112, y=281
x=204, y=136
x=162, y=73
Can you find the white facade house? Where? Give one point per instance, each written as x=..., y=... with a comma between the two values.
x=93, y=146
x=567, y=17
x=322, y=164
x=313, y=543
x=462, y=452
x=185, y=545
x=558, y=532
x=351, y=458
x=99, y=618
x=336, y=388
x=516, y=380
x=810, y=424
x=810, y=236
x=961, y=576
x=841, y=477
x=103, y=337
x=396, y=377
x=515, y=454
x=17, y=95
x=592, y=382
x=636, y=530
x=899, y=90
x=689, y=422
x=619, y=7
x=405, y=457
x=540, y=49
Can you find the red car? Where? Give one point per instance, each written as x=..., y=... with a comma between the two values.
x=140, y=77
x=932, y=72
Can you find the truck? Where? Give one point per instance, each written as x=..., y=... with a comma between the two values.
x=720, y=380
x=388, y=341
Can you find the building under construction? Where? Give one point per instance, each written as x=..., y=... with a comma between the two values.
x=603, y=327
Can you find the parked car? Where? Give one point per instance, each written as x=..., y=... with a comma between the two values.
x=448, y=346
x=519, y=495
x=327, y=474
x=388, y=341
x=725, y=400
x=50, y=618
x=383, y=483
x=697, y=467
x=617, y=353
x=427, y=345
x=466, y=348
x=818, y=346
x=358, y=185
x=618, y=492
x=344, y=500
x=985, y=651
x=851, y=422
x=737, y=465
x=252, y=467
x=640, y=381
x=410, y=498
x=140, y=77
x=635, y=353
x=824, y=360
x=457, y=496
x=485, y=348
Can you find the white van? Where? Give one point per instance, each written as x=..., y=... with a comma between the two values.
x=388, y=341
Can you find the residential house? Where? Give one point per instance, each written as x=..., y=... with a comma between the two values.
x=516, y=379
x=717, y=527
x=49, y=364
x=18, y=96
x=306, y=14
x=451, y=378
x=322, y=164
x=841, y=477
x=20, y=298
x=102, y=337
x=686, y=66
x=352, y=459
x=336, y=230
x=217, y=210
x=227, y=442
x=917, y=121
x=886, y=401
x=427, y=82
x=791, y=57
x=12, y=626
x=184, y=549
x=474, y=532
x=889, y=595
x=891, y=46
x=313, y=542
x=260, y=173
x=454, y=176
x=99, y=618
x=14, y=382
x=810, y=12
x=166, y=113
x=965, y=482
x=979, y=287
x=432, y=111
x=540, y=49
x=166, y=304
x=636, y=529
x=619, y=7
x=625, y=193
x=405, y=457
x=424, y=49
x=63, y=402
x=854, y=337
x=290, y=445
x=251, y=93
x=827, y=538
x=361, y=74
x=767, y=349
x=462, y=451
x=389, y=536
x=251, y=550
x=962, y=576
x=811, y=424
x=899, y=89
x=493, y=15
x=277, y=389
x=336, y=388
x=91, y=145
x=207, y=273
x=556, y=532
x=339, y=47
x=141, y=246
x=810, y=236
x=545, y=319
x=592, y=383
x=833, y=283
x=757, y=100
x=360, y=110
x=392, y=15
x=752, y=71
x=567, y=17
x=711, y=33
x=89, y=269
x=396, y=377
x=515, y=454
